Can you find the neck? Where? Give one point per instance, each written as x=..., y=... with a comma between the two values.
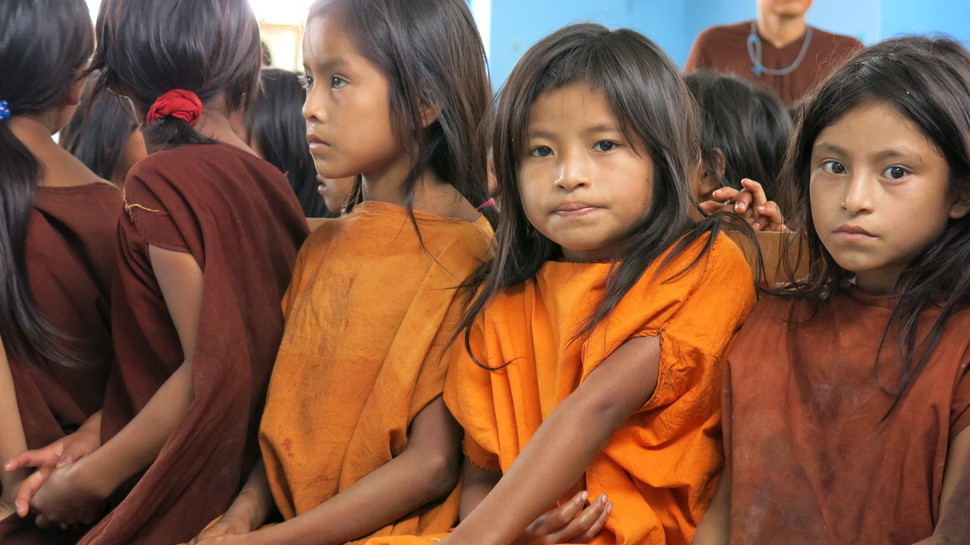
x=33, y=129
x=60, y=167
x=779, y=30
x=431, y=195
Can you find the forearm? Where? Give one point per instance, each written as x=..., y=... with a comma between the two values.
x=12, y=439
x=555, y=458
x=476, y=486
x=390, y=492
x=137, y=445
x=714, y=527
x=255, y=502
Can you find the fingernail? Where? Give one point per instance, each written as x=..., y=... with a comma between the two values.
x=583, y=495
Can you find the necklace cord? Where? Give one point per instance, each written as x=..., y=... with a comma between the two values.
x=754, y=53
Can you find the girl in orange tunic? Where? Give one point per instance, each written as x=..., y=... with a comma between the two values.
x=591, y=354
x=355, y=438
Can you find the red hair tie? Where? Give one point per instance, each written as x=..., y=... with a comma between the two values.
x=179, y=103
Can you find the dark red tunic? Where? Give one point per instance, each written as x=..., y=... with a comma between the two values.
x=238, y=217
x=70, y=249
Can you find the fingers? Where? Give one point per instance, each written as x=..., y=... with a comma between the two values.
x=28, y=458
x=28, y=488
x=586, y=525
x=756, y=190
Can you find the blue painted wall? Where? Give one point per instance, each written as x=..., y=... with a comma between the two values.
x=517, y=24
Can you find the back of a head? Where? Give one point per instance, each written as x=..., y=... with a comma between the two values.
x=278, y=131
x=44, y=45
x=432, y=56
x=750, y=126
x=149, y=47
x=99, y=132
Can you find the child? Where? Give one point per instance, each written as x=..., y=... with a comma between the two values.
x=355, y=438
x=277, y=132
x=57, y=246
x=208, y=242
x=849, y=397
x=104, y=135
x=594, y=344
x=744, y=132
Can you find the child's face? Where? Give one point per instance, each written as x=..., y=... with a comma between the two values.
x=347, y=106
x=880, y=193
x=581, y=182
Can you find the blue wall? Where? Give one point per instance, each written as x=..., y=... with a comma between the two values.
x=517, y=24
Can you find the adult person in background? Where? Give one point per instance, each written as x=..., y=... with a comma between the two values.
x=778, y=50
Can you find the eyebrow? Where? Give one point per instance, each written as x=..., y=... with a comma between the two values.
x=597, y=129
x=329, y=65
x=884, y=155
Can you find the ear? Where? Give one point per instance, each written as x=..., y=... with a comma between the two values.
x=960, y=207
x=720, y=162
x=74, y=92
x=429, y=110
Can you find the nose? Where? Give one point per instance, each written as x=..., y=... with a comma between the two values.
x=573, y=171
x=858, y=193
x=313, y=110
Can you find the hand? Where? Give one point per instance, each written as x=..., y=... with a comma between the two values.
x=750, y=203
x=225, y=526
x=573, y=522
x=70, y=496
x=222, y=539
x=60, y=453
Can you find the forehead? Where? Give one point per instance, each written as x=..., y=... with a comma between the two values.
x=875, y=127
x=574, y=102
x=325, y=39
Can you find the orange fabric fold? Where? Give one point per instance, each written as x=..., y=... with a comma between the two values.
x=368, y=313
x=660, y=468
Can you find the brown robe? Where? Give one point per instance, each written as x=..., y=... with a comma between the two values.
x=815, y=459
x=70, y=250
x=238, y=217
x=725, y=49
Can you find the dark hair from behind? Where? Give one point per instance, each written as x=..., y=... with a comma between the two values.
x=149, y=47
x=928, y=82
x=750, y=126
x=653, y=107
x=44, y=45
x=432, y=55
x=98, y=132
x=276, y=128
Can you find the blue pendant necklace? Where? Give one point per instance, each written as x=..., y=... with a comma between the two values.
x=754, y=53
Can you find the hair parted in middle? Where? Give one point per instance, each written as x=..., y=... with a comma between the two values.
x=655, y=111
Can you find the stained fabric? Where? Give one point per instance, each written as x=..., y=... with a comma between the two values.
x=371, y=306
x=239, y=219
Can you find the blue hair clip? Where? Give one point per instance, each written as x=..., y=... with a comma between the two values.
x=4, y=110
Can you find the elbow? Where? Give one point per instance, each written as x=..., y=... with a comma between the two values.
x=440, y=472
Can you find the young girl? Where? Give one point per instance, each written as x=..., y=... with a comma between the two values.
x=57, y=245
x=355, y=438
x=849, y=398
x=208, y=241
x=594, y=344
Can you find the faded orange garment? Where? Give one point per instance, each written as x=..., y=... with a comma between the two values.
x=367, y=315
x=660, y=468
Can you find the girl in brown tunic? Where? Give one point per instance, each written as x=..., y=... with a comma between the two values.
x=57, y=246
x=847, y=406
x=208, y=243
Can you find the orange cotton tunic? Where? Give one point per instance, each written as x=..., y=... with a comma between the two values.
x=367, y=314
x=660, y=468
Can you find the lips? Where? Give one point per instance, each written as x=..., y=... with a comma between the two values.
x=575, y=209
x=853, y=232
x=315, y=142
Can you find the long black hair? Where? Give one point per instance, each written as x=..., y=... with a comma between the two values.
x=99, y=132
x=149, y=47
x=654, y=108
x=750, y=126
x=927, y=81
x=432, y=55
x=44, y=45
x=275, y=127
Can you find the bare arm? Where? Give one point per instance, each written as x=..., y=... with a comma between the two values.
x=954, y=524
x=247, y=512
x=426, y=470
x=714, y=527
x=564, y=445
x=12, y=439
x=73, y=493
